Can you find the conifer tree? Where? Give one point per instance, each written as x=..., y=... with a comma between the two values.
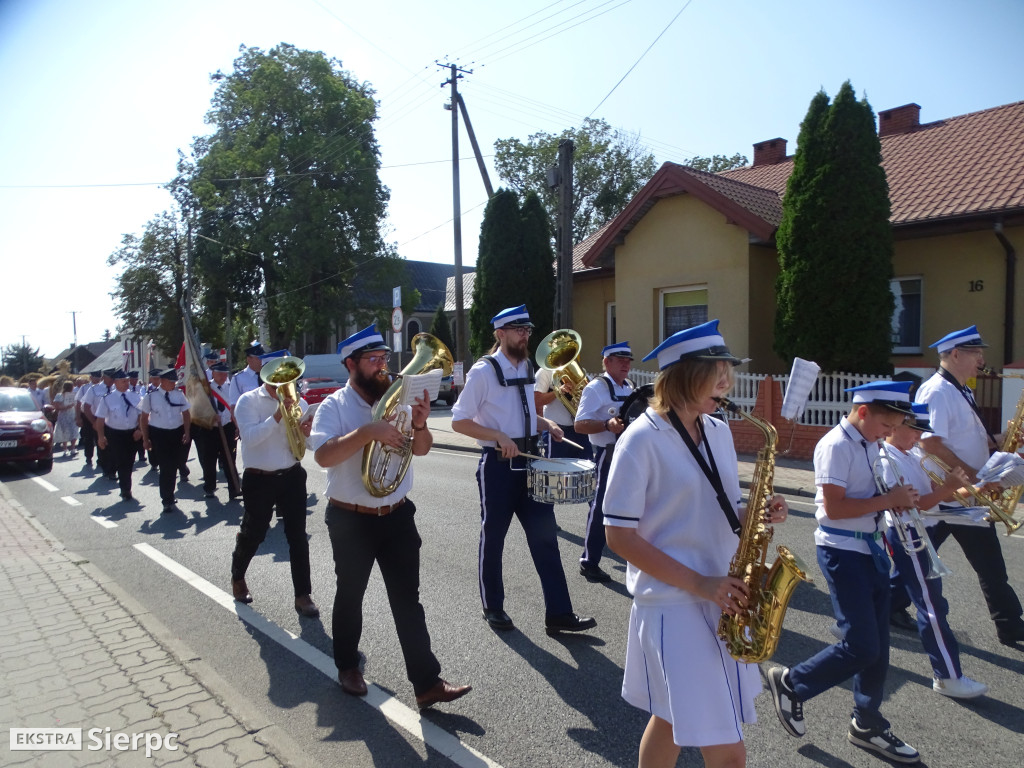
x=538, y=268
x=835, y=242
x=499, y=275
x=441, y=328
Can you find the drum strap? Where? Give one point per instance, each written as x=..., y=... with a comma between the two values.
x=611, y=390
x=709, y=468
x=520, y=384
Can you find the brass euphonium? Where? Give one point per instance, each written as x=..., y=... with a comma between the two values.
x=558, y=352
x=384, y=467
x=752, y=635
x=283, y=372
x=996, y=512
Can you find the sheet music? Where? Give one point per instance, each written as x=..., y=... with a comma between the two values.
x=413, y=386
x=1004, y=468
x=801, y=382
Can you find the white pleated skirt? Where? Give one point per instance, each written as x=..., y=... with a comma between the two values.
x=679, y=670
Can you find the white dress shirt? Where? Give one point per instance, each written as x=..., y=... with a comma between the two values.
x=225, y=391
x=119, y=410
x=264, y=441
x=596, y=404
x=246, y=380
x=165, y=408
x=491, y=405
x=555, y=410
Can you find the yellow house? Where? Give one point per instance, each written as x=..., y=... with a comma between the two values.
x=693, y=245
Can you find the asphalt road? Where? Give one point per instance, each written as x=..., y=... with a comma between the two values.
x=537, y=701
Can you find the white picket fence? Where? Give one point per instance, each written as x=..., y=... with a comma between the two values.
x=825, y=406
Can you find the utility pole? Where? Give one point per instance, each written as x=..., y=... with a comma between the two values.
x=461, y=328
x=563, y=179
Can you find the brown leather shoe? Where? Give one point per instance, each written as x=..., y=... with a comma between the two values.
x=352, y=681
x=305, y=606
x=441, y=693
x=241, y=591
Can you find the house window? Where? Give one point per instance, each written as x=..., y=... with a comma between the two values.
x=610, y=330
x=411, y=329
x=906, y=316
x=682, y=308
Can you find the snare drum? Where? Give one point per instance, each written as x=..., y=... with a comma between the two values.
x=562, y=481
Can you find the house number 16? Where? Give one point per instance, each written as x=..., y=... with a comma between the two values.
x=975, y=285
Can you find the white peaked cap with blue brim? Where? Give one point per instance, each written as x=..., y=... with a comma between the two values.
x=920, y=420
x=366, y=339
x=702, y=342
x=894, y=395
x=618, y=350
x=968, y=337
x=516, y=316
x=274, y=354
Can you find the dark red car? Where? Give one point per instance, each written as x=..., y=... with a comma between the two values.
x=314, y=390
x=25, y=434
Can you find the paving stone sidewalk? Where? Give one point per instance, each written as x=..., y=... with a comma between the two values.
x=77, y=652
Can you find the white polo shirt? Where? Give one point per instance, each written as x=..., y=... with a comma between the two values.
x=554, y=410
x=264, y=441
x=656, y=486
x=952, y=418
x=340, y=413
x=597, y=404
x=491, y=405
x=165, y=408
x=246, y=380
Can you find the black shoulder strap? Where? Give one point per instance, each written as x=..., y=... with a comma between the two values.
x=611, y=390
x=711, y=472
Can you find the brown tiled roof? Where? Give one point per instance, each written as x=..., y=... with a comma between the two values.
x=963, y=166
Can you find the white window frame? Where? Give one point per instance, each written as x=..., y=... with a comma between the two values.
x=663, y=292
x=908, y=350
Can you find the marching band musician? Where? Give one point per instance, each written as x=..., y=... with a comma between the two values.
x=497, y=409
x=365, y=529
x=903, y=466
x=856, y=569
x=166, y=423
x=961, y=440
x=554, y=409
x=117, y=429
x=272, y=477
x=672, y=510
x=598, y=418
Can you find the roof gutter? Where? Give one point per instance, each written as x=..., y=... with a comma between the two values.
x=1011, y=277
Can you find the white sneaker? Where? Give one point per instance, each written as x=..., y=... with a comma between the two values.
x=884, y=742
x=959, y=688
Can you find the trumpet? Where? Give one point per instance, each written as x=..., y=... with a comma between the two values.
x=996, y=512
x=906, y=528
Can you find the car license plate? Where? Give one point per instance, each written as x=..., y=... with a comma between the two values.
x=8, y=443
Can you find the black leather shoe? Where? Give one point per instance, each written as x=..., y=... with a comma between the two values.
x=568, y=622
x=1011, y=635
x=593, y=573
x=306, y=607
x=240, y=591
x=352, y=681
x=441, y=693
x=499, y=620
x=902, y=620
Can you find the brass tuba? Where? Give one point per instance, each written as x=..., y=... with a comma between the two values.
x=1006, y=499
x=283, y=372
x=558, y=352
x=384, y=467
x=752, y=635
x=996, y=512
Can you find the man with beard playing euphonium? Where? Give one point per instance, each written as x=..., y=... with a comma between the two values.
x=365, y=529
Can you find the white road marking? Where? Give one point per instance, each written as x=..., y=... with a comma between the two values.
x=48, y=486
x=398, y=713
x=103, y=521
x=71, y=501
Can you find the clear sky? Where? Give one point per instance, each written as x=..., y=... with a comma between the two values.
x=98, y=98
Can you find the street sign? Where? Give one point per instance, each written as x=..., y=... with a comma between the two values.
x=396, y=319
x=396, y=296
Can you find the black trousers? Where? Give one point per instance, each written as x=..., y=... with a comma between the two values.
x=982, y=550
x=87, y=436
x=594, y=538
x=121, y=451
x=562, y=450
x=260, y=493
x=392, y=541
x=167, y=450
x=210, y=449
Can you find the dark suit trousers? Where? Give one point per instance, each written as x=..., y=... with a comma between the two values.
x=392, y=541
x=121, y=449
x=167, y=451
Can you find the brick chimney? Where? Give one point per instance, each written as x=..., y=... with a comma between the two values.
x=770, y=152
x=899, y=119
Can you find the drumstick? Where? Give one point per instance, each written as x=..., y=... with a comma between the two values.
x=545, y=458
x=577, y=446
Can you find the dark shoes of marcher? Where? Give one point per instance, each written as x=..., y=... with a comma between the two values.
x=499, y=620
x=352, y=681
x=568, y=622
x=441, y=693
x=901, y=619
x=306, y=607
x=594, y=573
x=1011, y=635
x=240, y=591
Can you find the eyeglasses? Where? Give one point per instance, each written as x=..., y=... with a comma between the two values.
x=520, y=330
x=377, y=359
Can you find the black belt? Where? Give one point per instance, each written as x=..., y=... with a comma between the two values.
x=271, y=472
x=386, y=509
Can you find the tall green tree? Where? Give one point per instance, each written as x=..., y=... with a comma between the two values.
x=20, y=359
x=499, y=279
x=154, y=281
x=834, y=303
x=441, y=328
x=538, y=260
x=609, y=168
x=286, y=192
x=718, y=163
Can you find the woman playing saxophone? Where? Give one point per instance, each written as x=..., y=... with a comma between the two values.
x=672, y=489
